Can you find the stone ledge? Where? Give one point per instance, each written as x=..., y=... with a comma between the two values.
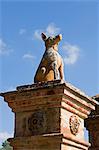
x=50, y=94
x=39, y=85
x=48, y=139
x=52, y=84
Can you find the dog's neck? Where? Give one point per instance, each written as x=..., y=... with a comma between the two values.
x=54, y=47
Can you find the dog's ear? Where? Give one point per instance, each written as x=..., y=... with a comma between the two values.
x=44, y=37
x=58, y=38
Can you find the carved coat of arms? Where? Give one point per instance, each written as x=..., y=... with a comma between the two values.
x=37, y=122
x=74, y=123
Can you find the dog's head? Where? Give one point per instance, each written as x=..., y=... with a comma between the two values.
x=51, y=41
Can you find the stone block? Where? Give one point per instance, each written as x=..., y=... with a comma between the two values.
x=92, y=125
x=49, y=116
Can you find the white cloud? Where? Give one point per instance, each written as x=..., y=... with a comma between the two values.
x=50, y=30
x=4, y=49
x=37, y=34
x=29, y=56
x=5, y=135
x=72, y=53
x=22, y=31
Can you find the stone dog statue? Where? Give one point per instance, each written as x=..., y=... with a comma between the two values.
x=51, y=65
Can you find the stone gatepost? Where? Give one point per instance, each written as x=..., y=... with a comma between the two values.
x=49, y=116
x=92, y=125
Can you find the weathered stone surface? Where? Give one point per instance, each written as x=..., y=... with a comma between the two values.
x=49, y=116
x=54, y=141
x=92, y=124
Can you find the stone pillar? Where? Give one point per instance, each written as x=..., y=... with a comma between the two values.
x=92, y=125
x=49, y=116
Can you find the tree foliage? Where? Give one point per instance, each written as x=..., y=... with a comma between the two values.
x=6, y=146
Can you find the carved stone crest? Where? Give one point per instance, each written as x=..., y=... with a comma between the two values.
x=37, y=122
x=74, y=123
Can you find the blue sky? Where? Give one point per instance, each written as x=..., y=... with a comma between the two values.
x=21, y=47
